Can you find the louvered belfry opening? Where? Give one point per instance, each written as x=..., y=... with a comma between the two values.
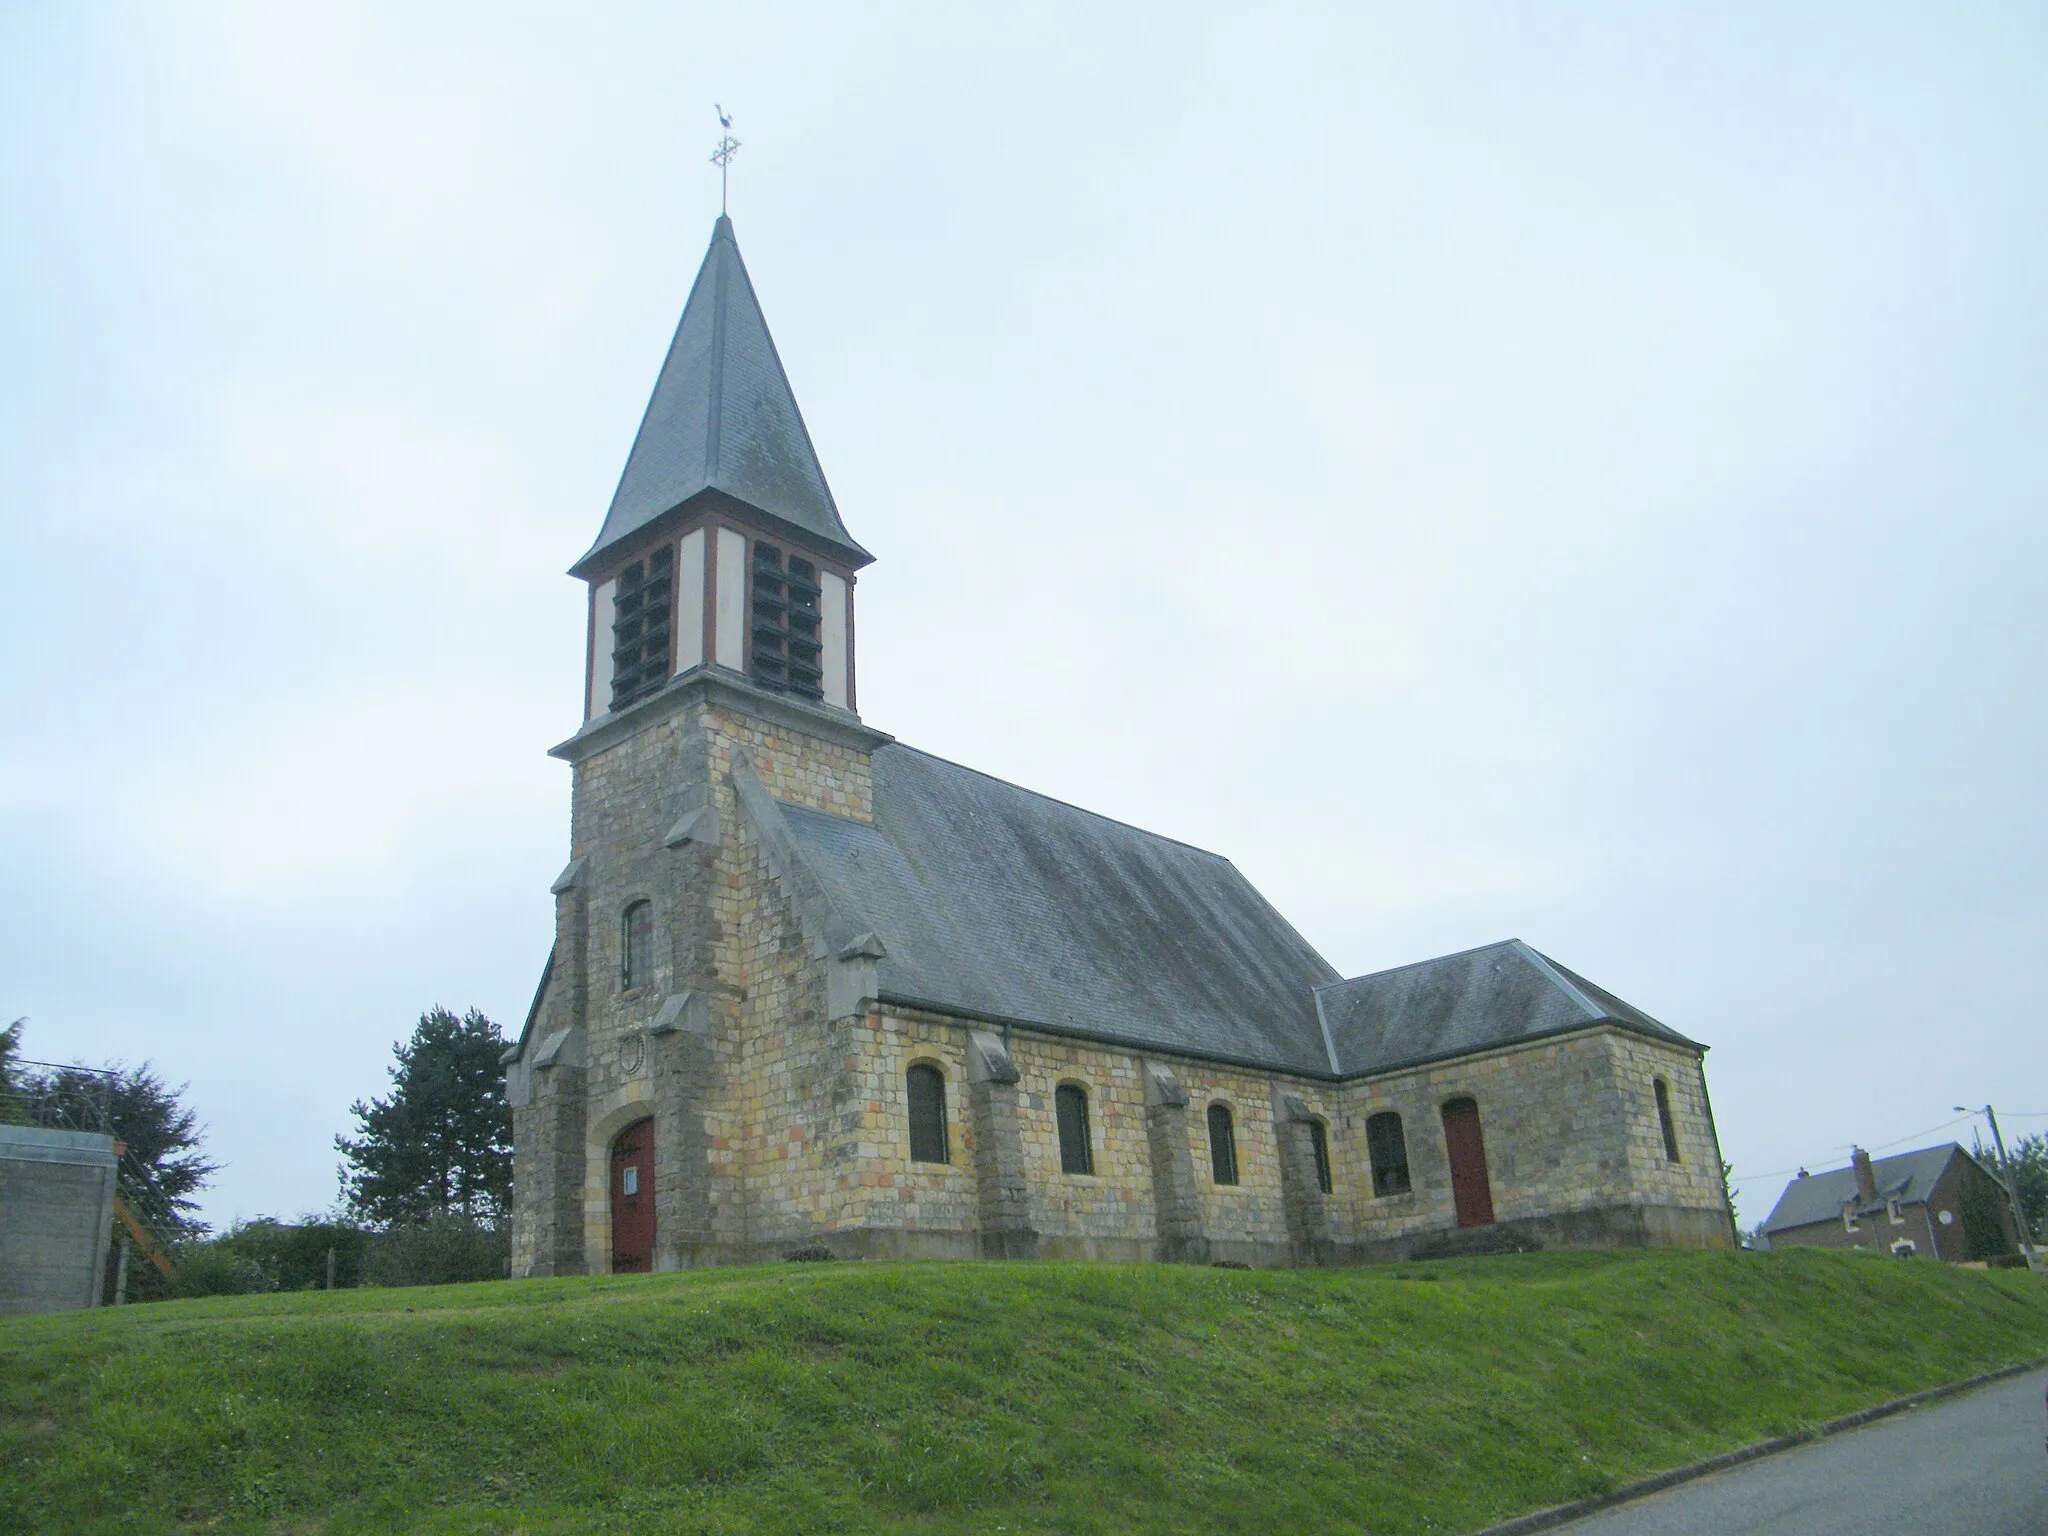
x=787, y=648
x=640, y=626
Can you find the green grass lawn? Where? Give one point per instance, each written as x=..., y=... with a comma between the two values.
x=966, y=1397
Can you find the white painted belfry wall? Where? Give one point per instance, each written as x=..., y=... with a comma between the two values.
x=731, y=641
x=601, y=649
x=832, y=620
x=690, y=601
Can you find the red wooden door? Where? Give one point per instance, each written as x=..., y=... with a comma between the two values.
x=1470, y=1190
x=633, y=1199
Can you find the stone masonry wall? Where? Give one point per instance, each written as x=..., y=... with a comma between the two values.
x=777, y=1126
x=755, y=1065
x=1694, y=1181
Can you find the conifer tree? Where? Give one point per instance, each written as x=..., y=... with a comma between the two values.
x=164, y=1164
x=441, y=1144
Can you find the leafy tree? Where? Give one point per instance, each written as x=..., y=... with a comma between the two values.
x=1984, y=1220
x=441, y=1145
x=2030, y=1182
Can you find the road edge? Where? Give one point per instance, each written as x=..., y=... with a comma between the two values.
x=1560, y=1514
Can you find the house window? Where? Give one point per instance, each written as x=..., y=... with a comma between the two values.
x=636, y=946
x=786, y=649
x=1319, y=1140
x=1898, y=1217
x=1070, y=1108
x=1849, y=1217
x=1664, y=1121
x=927, y=1114
x=1388, y=1149
x=1904, y=1248
x=640, y=626
x=1222, y=1145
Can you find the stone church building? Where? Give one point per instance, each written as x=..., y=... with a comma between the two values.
x=812, y=986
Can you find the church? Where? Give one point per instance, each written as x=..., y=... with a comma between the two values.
x=813, y=990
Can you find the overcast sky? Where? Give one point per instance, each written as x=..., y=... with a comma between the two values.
x=1574, y=472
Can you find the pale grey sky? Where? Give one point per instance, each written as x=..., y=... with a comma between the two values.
x=1571, y=471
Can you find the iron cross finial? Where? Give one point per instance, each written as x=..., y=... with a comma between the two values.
x=728, y=146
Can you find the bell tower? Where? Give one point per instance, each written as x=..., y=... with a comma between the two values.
x=718, y=687
x=723, y=547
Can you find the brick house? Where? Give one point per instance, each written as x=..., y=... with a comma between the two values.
x=1916, y=1204
x=811, y=985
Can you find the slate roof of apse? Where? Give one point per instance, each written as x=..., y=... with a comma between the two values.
x=723, y=417
x=1820, y=1196
x=995, y=901
x=1499, y=994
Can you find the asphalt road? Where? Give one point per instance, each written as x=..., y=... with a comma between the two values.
x=1969, y=1466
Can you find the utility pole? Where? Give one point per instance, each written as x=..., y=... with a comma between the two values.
x=2012, y=1189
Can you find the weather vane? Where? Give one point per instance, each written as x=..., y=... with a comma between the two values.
x=728, y=146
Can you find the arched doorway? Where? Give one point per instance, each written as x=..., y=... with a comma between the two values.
x=1470, y=1190
x=633, y=1199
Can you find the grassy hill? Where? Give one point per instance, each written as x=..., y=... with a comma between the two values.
x=966, y=1397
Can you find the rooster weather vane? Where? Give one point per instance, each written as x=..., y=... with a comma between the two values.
x=728, y=146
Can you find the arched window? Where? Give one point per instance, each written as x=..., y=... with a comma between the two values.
x=1319, y=1139
x=636, y=946
x=1664, y=1121
x=1222, y=1145
x=1388, y=1149
x=927, y=1114
x=1070, y=1107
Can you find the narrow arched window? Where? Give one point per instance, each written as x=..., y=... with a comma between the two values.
x=1664, y=1120
x=927, y=1114
x=1070, y=1108
x=636, y=946
x=1388, y=1149
x=1222, y=1145
x=1319, y=1139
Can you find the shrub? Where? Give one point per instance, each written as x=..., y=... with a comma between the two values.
x=296, y=1253
x=442, y=1250
x=216, y=1269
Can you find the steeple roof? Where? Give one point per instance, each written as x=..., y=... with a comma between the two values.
x=723, y=418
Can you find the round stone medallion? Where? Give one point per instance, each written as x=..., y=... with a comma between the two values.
x=633, y=1054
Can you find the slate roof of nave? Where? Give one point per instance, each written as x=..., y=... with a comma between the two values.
x=994, y=901
x=1479, y=999
x=723, y=418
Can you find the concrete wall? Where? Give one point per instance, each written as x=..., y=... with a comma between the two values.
x=56, y=1213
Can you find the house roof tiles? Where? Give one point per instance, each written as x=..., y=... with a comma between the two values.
x=1908, y=1176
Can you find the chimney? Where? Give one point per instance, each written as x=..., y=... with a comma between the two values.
x=1866, y=1180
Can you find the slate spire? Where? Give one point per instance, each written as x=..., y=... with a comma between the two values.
x=723, y=418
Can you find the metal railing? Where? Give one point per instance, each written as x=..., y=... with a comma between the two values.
x=57, y=1096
